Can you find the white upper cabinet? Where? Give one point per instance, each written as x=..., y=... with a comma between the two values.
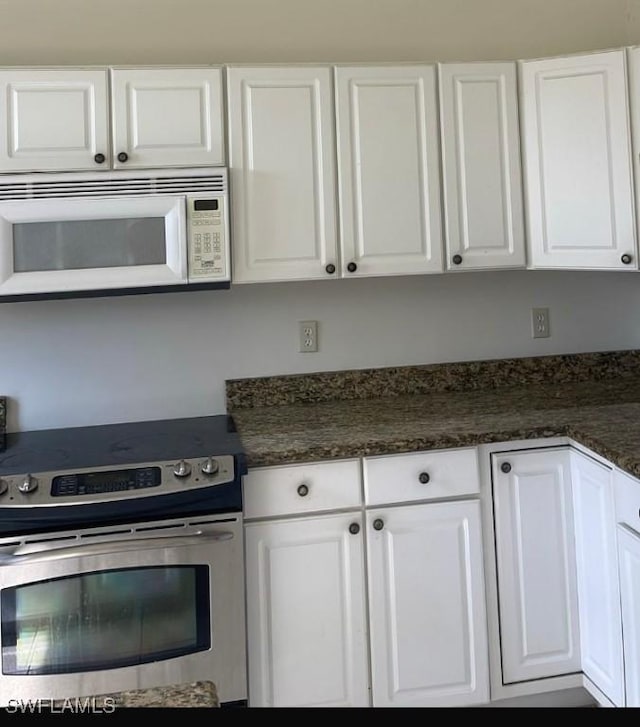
x=282, y=168
x=577, y=161
x=634, y=101
x=53, y=119
x=58, y=119
x=482, y=177
x=389, y=178
x=167, y=117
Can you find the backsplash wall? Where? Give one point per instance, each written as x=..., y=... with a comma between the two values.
x=83, y=362
x=67, y=363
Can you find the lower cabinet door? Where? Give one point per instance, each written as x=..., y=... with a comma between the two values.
x=427, y=605
x=597, y=571
x=629, y=560
x=306, y=613
x=535, y=551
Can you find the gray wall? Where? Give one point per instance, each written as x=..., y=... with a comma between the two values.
x=67, y=363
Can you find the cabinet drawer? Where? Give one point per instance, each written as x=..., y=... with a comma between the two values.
x=421, y=476
x=627, y=499
x=297, y=489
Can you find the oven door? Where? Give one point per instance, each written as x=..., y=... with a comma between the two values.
x=84, y=618
x=75, y=244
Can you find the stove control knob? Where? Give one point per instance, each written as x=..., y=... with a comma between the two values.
x=210, y=466
x=182, y=469
x=29, y=484
x=3, y=487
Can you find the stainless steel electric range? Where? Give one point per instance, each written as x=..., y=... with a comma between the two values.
x=122, y=559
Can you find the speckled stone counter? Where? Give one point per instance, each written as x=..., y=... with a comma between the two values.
x=197, y=694
x=592, y=398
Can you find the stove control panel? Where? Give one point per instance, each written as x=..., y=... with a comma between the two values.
x=101, y=484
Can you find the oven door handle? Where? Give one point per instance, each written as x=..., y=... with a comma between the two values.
x=38, y=553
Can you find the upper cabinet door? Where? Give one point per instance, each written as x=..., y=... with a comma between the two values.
x=54, y=119
x=165, y=117
x=389, y=176
x=577, y=161
x=484, y=221
x=282, y=166
x=634, y=101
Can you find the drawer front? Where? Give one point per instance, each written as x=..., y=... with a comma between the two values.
x=298, y=489
x=627, y=499
x=421, y=476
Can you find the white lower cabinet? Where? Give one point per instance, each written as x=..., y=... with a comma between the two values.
x=373, y=593
x=310, y=627
x=426, y=604
x=535, y=558
x=627, y=505
x=597, y=574
x=629, y=556
x=306, y=627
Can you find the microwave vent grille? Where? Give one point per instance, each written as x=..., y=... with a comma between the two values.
x=123, y=187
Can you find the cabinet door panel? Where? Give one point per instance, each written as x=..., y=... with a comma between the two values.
x=389, y=170
x=427, y=607
x=53, y=119
x=306, y=613
x=536, y=565
x=282, y=163
x=629, y=557
x=167, y=117
x=597, y=572
x=578, y=161
x=481, y=164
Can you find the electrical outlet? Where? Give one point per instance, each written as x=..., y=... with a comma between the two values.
x=308, y=336
x=540, y=322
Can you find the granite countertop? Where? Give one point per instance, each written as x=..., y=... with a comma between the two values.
x=200, y=694
x=597, y=407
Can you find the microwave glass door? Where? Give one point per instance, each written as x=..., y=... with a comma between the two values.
x=104, y=620
x=92, y=244
x=80, y=244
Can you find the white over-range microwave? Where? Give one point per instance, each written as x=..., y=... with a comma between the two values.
x=80, y=234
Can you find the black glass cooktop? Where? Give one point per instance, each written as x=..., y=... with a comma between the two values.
x=121, y=444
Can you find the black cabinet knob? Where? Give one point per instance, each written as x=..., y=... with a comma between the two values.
x=303, y=490
x=378, y=524
x=352, y=267
x=457, y=259
x=626, y=259
x=123, y=156
x=331, y=268
x=354, y=528
x=505, y=467
x=424, y=477
x=99, y=158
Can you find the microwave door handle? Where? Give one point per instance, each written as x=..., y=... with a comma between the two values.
x=28, y=554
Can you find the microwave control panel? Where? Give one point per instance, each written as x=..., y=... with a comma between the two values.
x=207, y=238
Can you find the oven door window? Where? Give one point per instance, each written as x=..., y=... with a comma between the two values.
x=105, y=619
